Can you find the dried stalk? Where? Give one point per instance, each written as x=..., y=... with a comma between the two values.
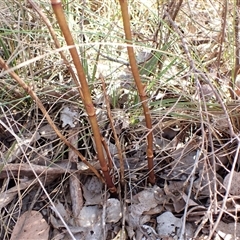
x=230, y=126
x=45, y=113
x=118, y=144
x=237, y=50
x=222, y=35
x=141, y=88
x=87, y=100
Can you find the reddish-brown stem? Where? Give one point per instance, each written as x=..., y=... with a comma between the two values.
x=141, y=88
x=109, y=158
x=87, y=100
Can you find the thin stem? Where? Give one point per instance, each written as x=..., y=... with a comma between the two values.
x=141, y=88
x=87, y=100
x=118, y=144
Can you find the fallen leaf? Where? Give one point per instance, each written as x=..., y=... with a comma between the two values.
x=31, y=225
x=169, y=226
x=67, y=117
x=235, y=188
x=47, y=132
x=113, y=210
x=228, y=231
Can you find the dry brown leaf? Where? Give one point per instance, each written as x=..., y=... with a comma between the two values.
x=113, y=210
x=235, y=189
x=121, y=235
x=92, y=191
x=47, y=132
x=170, y=226
x=68, y=116
x=31, y=225
x=143, y=202
x=74, y=182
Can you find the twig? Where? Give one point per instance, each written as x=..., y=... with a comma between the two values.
x=56, y=42
x=118, y=145
x=237, y=48
x=183, y=230
x=232, y=133
x=45, y=113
